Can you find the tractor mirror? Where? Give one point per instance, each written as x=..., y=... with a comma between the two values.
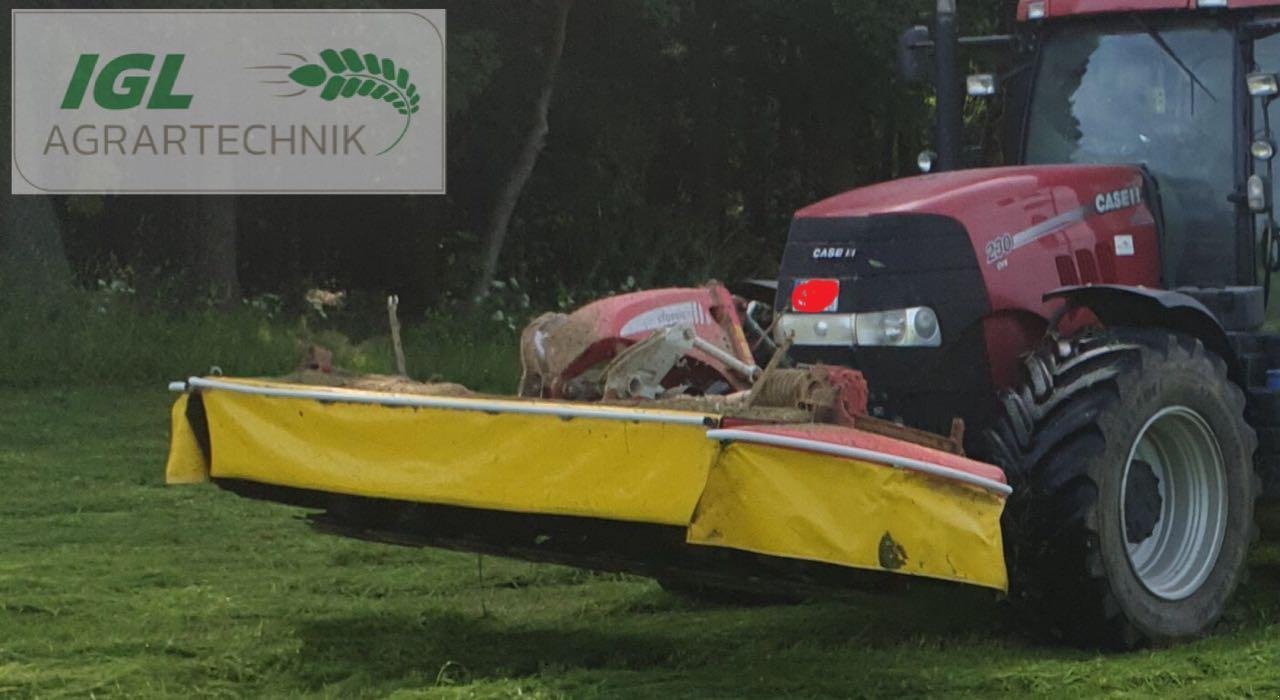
x=981, y=85
x=1258, y=194
x=1262, y=84
x=912, y=44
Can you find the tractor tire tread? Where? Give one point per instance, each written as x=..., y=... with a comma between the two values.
x=1054, y=438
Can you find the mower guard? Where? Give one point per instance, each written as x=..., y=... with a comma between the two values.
x=815, y=493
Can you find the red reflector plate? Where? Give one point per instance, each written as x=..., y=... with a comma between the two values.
x=815, y=296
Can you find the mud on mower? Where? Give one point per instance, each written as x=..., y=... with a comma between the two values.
x=1049, y=379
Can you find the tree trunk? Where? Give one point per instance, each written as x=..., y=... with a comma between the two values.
x=212, y=225
x=32, y=259
x=522, y=168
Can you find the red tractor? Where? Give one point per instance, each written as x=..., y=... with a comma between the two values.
x=1095, y=312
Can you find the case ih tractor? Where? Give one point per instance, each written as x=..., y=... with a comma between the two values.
x=1142, y=203
x=1086, y=325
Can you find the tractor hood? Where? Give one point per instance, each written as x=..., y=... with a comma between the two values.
x=980, y=248
x=1027, y=229
x=985, y=197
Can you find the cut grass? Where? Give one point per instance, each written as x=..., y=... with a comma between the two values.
x=112, y=584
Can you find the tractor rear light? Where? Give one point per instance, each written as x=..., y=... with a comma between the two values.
x=1036, y=10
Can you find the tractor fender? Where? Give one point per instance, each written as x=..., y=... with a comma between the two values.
x=1124, y=305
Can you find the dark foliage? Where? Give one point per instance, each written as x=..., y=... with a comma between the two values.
x=682, y=136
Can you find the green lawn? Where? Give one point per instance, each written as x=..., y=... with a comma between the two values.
x=112, y=584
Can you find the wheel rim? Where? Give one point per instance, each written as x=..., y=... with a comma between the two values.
x=1173, y=503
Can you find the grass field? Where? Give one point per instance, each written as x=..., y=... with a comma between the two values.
x=112, y=584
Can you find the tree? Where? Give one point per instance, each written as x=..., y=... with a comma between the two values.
x=522, y=168
x=32, y=257
x=212, y=227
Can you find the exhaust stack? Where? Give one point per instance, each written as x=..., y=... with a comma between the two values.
x=947, y=134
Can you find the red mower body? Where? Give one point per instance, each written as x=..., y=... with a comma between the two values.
x=563, y=354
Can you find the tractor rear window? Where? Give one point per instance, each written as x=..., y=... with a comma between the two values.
x=1155, y=93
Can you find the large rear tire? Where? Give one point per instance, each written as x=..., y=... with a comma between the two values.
x=1134, y=488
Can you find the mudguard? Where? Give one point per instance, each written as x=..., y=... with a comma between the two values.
x=1123, y=305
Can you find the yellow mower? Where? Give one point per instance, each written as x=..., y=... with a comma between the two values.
x=677, y=457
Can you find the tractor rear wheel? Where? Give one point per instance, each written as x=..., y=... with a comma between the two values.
x=1134, y=487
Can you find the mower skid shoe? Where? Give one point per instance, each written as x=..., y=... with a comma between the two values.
x=811, y=493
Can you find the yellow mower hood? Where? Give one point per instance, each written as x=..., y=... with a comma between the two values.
x=840, y=501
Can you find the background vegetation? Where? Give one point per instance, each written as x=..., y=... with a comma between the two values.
x=681, y=135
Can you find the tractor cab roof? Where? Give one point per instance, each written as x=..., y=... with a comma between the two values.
x=1052, y=9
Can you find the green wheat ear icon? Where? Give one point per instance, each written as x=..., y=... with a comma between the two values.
x=347, y=73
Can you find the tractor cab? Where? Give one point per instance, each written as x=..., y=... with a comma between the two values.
x=1181, y=88
x=1160, y=92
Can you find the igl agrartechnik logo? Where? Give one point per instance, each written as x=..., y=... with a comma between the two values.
x=149, y=81
x=228, y=101
x=349, y=74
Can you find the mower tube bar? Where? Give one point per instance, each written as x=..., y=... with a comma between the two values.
x=821, y=447
x=560, y=410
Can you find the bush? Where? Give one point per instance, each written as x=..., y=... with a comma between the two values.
x=106, y=337
x=478, y=352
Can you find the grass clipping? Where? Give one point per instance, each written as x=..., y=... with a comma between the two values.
x=316, y=369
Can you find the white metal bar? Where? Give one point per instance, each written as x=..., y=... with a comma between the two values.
x=462, y=404
x=746, y=370
x=734, y=435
